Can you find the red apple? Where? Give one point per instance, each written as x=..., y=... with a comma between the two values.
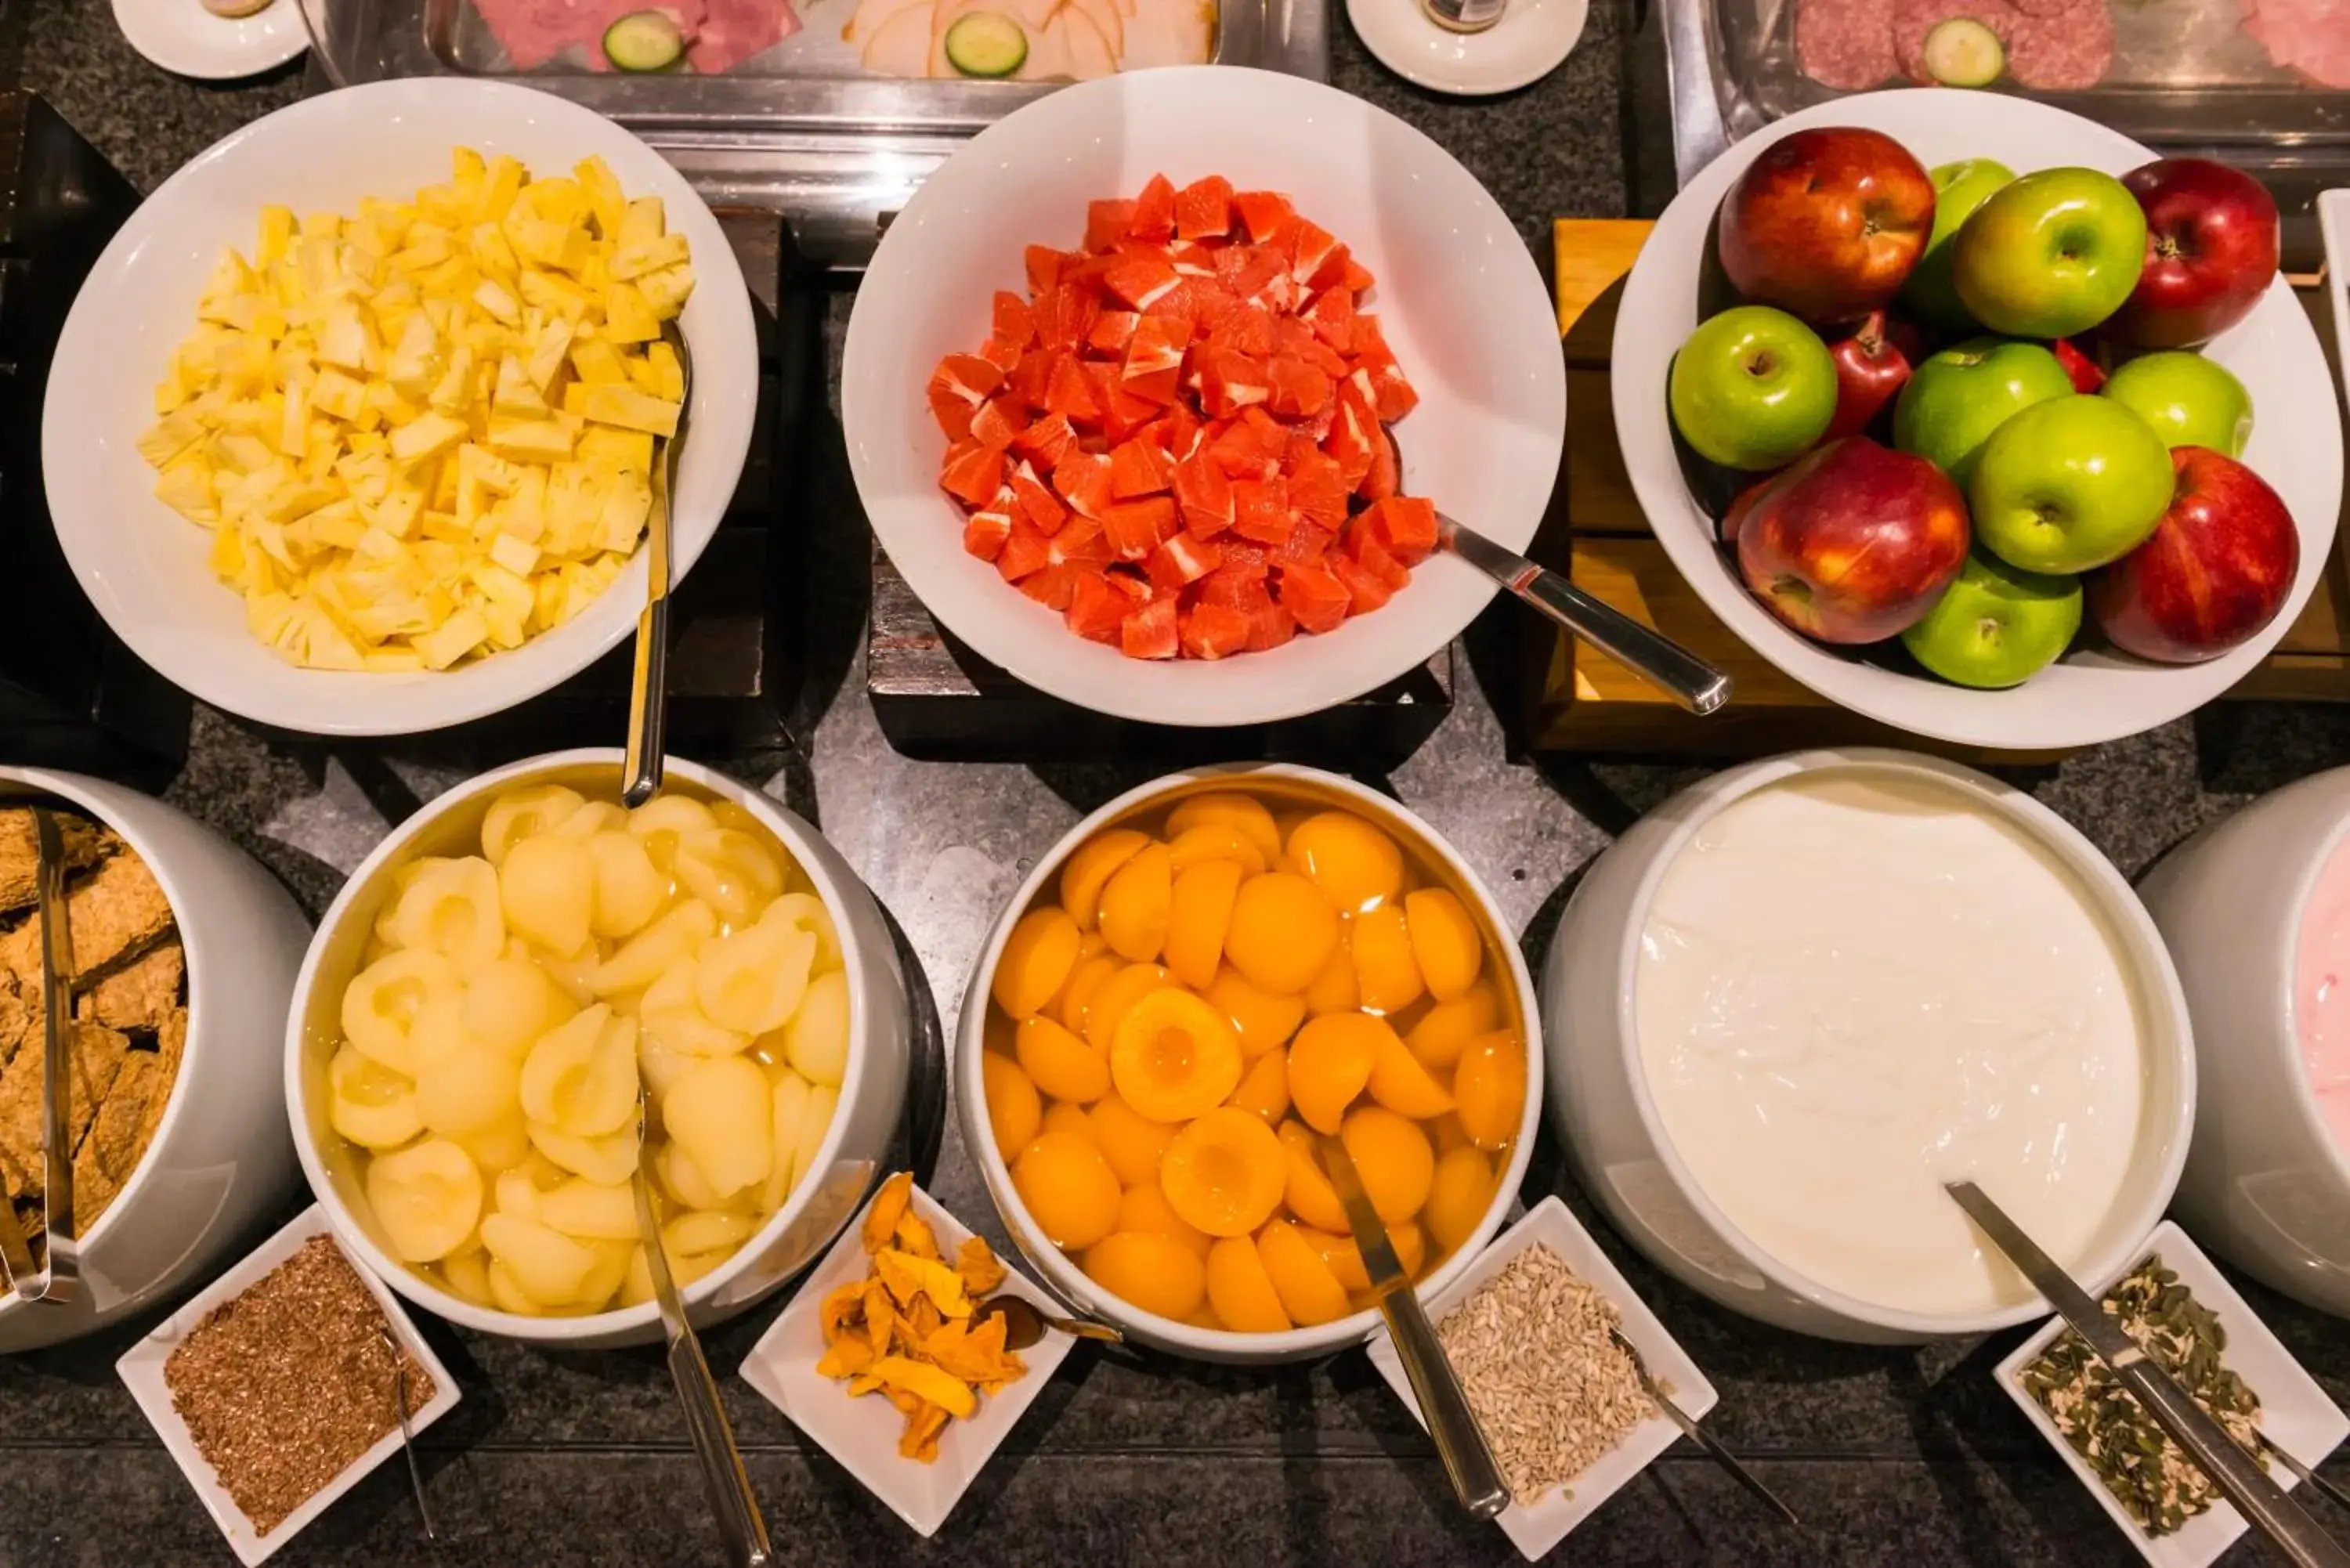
x=1826, y=224
x=1870, y=367
x=2212, y=244
x=2215, y=570
x=2086, y=373
x=1855, y=542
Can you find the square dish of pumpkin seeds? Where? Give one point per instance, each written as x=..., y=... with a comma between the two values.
x=2180, y=1307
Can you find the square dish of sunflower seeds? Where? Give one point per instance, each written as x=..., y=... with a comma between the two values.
x=2178, y=1305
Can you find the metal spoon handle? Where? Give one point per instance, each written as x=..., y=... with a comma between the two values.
x=407, y=1435
x=1722, y=1456
x=1460, y=1441
x=59, y=1279
x=648, y=705
x=1663, y=663
x=1078, y=1328
x=722, y=1476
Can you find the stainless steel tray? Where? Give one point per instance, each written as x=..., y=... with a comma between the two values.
x=801, y=130
x=2185, y=78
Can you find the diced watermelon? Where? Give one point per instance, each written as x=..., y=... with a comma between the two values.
x=1136, y=528
x=1023, y=553
x=1317, y=493
x=1257, y=275
x=1001, y=353
x=1071, y=393
x=1384, y=476
x=1052, y=586
x=1263, y=211
x=1178, y=431
x=971, y=473
x=1082, y=478
x=1154, y=212
x=983, y=533
x=1180, y=561
x=1014, y=323
x=1113, y=329
x=1365, y=590
x=1332, y=315
x=1214, y=631
x=1260, y=510
x=1150, y=631
x=1155, y=357
x=1038, y=502
x=1141, y=281
x=1404, y=525
x=1351, y=437
x=1373, y=557
x=1203, y=209
x=1098, y=605
x=1205, y=493
x=1122, y=413
x=1068, y=318
x=1359, y=277
x=1229, y=382
x=1107, y=223
x=1044, y=265
x=1238, y=584
x=1139, y=467
x=1306, y=542
x=999, y=420
x=1296, y=390
x=1393, y=395
x=1046, y=442
x=1035, y=374
x=1270, y=626
x=960, y=384
x=1309, y=248
x=1317, y=599
x=1294, y=337
x=1081, y=543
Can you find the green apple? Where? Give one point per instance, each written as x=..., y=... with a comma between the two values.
x=1996, y=626
x=1959, y=189
x=2069, y=485
x=2050, y=254
x=1954, y=400
x=1752, y=389
x=2189, y=400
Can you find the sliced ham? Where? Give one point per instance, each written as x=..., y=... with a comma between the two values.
x=720, y=33
x=732, y=31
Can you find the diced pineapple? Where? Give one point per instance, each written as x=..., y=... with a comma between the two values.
x=605, y=201
x=454, y=394
x=609, y=447
x=628, y=316
x=644, y=222
x=322, y=226
x=635, y=261
x=499, y=189
x=668, y=375
x=186, y=487
x=549, y=347
x=276, y=237
x=631, y=410
x=431, y=436
x=516, y=395
x=337, y=394
x=532, y=441
x=169, y=436
x=666, y=291
x=596, y=362
x=514, y=553
x=556, y=295
x=499, y=305
x=452, y=640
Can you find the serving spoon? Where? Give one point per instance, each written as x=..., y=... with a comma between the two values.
x=640, y=774
x=1024, y=1323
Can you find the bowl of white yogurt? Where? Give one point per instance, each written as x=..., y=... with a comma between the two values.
x=2256, y=909
x=1789, y=1004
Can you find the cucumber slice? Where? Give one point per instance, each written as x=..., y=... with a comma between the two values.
x=643, y=41
x=1963, y=53
x=986, y=44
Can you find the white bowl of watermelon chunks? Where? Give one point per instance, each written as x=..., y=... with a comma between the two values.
x=1152, y=392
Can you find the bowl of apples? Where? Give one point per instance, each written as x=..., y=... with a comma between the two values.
x=1993, y=427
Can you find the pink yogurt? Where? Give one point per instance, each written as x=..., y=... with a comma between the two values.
x=2321, y=994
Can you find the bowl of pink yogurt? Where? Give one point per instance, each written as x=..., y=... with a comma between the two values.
x=2256, y=910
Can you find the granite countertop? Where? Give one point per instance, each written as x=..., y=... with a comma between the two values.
x=580, y=1458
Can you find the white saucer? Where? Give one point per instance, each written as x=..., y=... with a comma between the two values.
x=1526, y=45
x=183, y=37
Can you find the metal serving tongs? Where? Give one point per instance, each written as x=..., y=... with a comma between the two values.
x=640, y=777
x=2269, y=1508
x=58, y=1277
x=723, y=1477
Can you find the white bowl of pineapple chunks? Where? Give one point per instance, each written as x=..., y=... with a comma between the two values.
x=470, y=1025
x=351, y=428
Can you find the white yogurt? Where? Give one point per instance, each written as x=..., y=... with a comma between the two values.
x=1858, y=984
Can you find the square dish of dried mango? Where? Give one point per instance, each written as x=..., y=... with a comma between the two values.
x=884, y=1356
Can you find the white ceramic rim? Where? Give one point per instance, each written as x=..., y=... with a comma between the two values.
x=1532, y=54
x=233, y=58
x=193, y=939
x=1063, y=1278
x=403, y=1278
x=2134, y=928
x=2304, y=888
x=1180, y=693
x=1954, y=714
x=723, y=419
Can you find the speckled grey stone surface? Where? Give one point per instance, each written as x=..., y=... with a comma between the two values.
x=1890, y=1455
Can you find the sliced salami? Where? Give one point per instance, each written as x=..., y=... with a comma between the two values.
x=1913, y=19
x=1845, y=44
x=2064, y=53
x=2054, y=7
